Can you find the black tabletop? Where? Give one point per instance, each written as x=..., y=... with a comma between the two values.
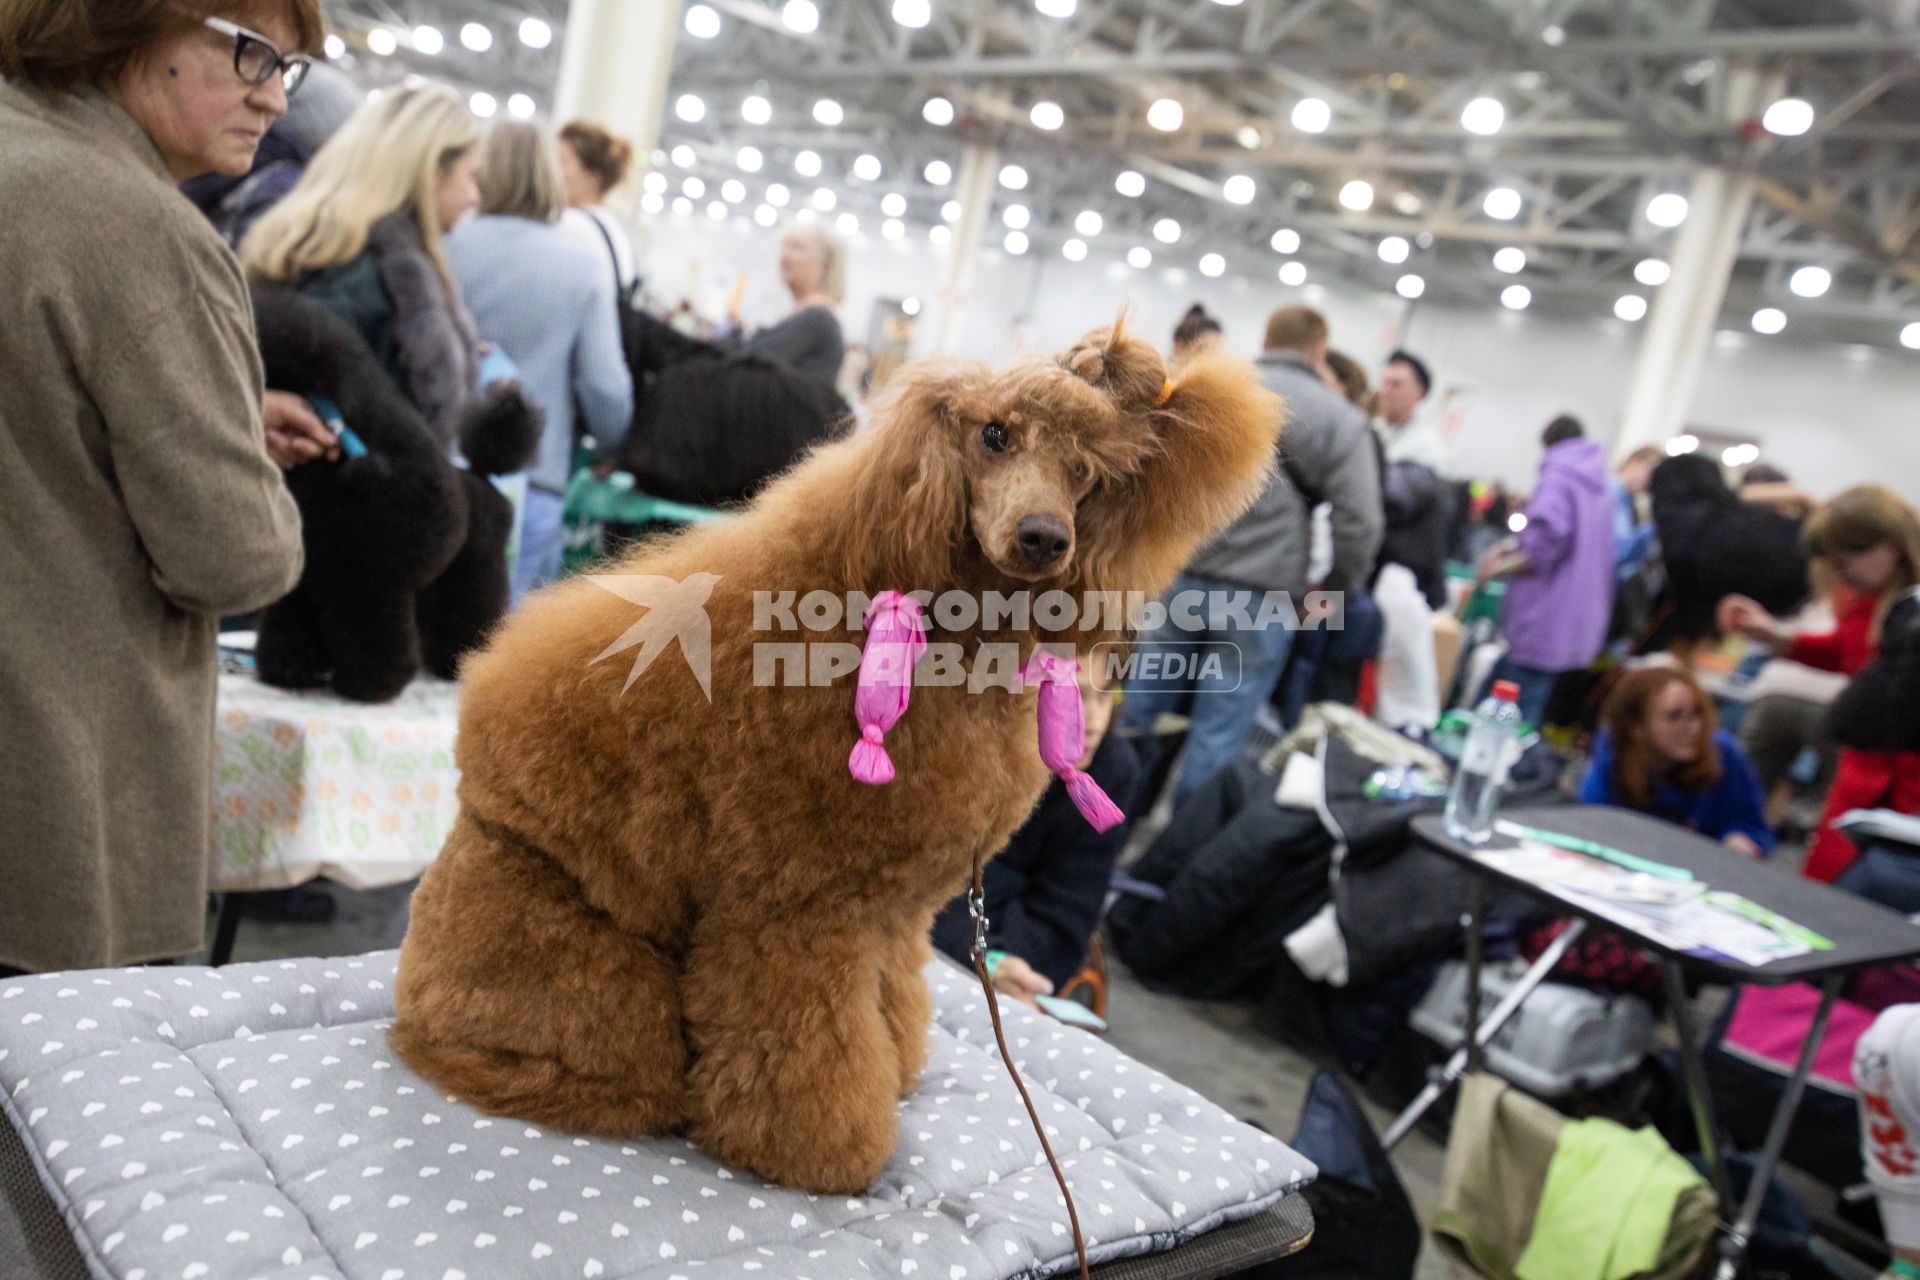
x=1864, y=934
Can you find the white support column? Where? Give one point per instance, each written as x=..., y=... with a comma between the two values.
x=1687, y=307
x=615, y=63
x=978, y=170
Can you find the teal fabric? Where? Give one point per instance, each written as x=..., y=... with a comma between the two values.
x=1607, y=1206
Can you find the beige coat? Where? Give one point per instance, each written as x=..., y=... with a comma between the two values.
x=137, y=505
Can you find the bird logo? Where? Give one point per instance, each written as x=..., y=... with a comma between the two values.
x=675, y=610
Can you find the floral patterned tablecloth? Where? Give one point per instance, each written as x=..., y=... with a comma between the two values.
x=307, y=784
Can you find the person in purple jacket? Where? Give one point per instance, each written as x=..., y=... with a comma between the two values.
x=1560, y=565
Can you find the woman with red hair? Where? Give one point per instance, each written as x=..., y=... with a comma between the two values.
x=1661, y=752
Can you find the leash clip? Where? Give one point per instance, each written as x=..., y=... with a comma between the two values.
x=977, y=912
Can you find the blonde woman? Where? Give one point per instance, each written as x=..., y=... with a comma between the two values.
x=713, y=434
x=362, y=232
x=546, y=300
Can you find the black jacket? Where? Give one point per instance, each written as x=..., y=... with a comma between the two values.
x=1880, y=709
x=1419, y=506
x=1046, y=888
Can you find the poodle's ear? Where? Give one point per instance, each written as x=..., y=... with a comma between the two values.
x=908, y=506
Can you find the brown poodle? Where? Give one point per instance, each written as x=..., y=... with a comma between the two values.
x=668, y=908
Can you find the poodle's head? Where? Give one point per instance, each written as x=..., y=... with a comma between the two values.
x=1092, y=469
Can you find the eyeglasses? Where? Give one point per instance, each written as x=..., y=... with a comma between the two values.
x=256, y=58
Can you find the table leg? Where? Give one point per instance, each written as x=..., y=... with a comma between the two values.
x=1456, y=1065
x=1733, y=1249
x=1475, y=923
x=1693, y=1072
x=224, y=931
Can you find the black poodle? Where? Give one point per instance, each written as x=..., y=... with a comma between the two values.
x=406, y=553
x=1713, y=546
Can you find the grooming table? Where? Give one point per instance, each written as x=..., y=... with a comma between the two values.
x=252, y=1121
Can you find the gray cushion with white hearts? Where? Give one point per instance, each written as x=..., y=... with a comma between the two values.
x=252, y=1121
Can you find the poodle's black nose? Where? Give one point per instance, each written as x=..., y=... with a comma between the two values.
x=1043, y=539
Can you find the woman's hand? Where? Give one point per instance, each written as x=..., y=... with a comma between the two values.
x=1741, y=615
x=295, y=433
x=1744, y=844
x=1015, y=977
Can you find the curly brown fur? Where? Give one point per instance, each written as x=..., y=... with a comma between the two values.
x=659, y=912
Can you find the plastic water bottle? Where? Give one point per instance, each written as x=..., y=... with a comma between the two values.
x=1483, y=765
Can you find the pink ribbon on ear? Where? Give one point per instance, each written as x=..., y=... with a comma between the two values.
x=1063, y=736
x=895, y=641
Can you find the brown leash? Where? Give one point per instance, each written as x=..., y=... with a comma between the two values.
x=977, y=912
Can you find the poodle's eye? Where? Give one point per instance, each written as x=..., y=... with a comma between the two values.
x=1082, y=474
x=994, y=436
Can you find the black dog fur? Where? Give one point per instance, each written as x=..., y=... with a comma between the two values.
x=406, y=553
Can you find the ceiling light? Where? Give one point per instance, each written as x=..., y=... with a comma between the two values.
x=1394, y=249
x=1165, y=115
x=1668, y=209
x=866, y=168
x=1076, y=251
x=482, y=105
x=1685, y=443
x=476, y=37
x=1285, y=240
x=1212, y=264
x=690, y=108
x=1016, y=216
x=683, y=156
x=1089, y=222
x=910, y=306
x=1910, y=336
x=652, y=203
x=334, y=47
x=1516, y=297
x=1769, y=320
x=535, y=34
x=1238, y=189
x=1016, y=242
x=1055, y=8
x=1510, y=260
x=381, y=42
x=717, y=210
x=807, y=164
x=846, y=224
x=937, y=111
x=1407, y=204
x=694, y=188
x=520, y=107
x=1652, y=272
x=682, y=206
x=766, y=215
x=1247, y=136
x=938, y=173
x=428, y=40
x=1166, y=231
x=1502, y=204
x=1129, y=184
x=702, y=22
x=1810, y=282
x=1312, y=115
x=828, y=112
x=1483, y=116
x=1357, y=195
x=913, y=14
x=1410, y=286
x=755, y=109
x=1139, y=257
x=654, y=183
x=805, y=217
x=1293, y=274
x=824, y=198
x=1788, y=118
x=950, y=211
x=1553, y=36
x=940, y=234
x=894, y=205
x=749, y=159
x=1047, y=116
x=893, y=229
x=778, y=195
x=1739, y=455
x=733, y=191
x=800, y=16
x=1630, y=307
x=1013, y=177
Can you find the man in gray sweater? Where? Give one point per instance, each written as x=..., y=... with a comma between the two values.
x=1326, y=455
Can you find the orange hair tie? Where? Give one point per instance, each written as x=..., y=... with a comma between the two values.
x=1166, y=391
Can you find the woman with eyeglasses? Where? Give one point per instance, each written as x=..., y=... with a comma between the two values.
x=139, y=497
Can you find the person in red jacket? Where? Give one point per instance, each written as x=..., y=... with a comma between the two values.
x=1871, y=540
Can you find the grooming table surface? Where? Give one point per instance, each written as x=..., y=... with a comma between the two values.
x=252, y=1121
